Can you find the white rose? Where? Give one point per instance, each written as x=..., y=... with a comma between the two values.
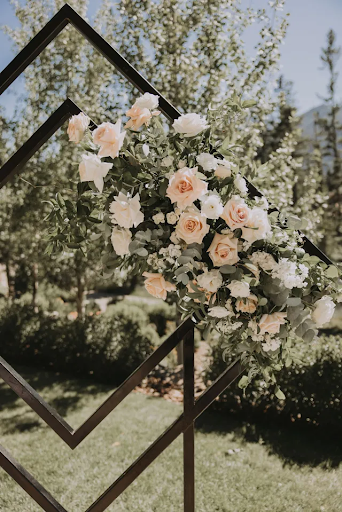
x=258, y=226
x=211, y=206
x=324, y=310
x=190, y=124
x=167, y=161
x=218, y=312
x=240, y=184
x=210, y=281
x=172, y=218
x=77, y=126
x=158, y=218
x=126, y=211
x=239, y=289
x=121, y=238
x=93, y=169
x=207, y=161
x=147, y=100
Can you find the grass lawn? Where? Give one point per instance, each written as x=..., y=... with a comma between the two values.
x=240, y=467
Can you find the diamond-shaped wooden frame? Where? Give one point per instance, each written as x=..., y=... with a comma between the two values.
x=184, y=333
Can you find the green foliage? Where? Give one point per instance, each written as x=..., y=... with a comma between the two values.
x=158, y=314
x=108, y=349
x=312, y=387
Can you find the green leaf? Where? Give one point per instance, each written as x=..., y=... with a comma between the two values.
x=279, y=394
x=141, y=252
x=294, y=301
x=263, y=301
x=227, y=269
x=243, y=382
x=332, y=272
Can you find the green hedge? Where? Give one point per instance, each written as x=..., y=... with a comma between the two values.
x=158, y=314
x=313, y=389
x=106, y=348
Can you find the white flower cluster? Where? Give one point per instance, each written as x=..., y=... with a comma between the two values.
x=171, y=253
x=290, y=274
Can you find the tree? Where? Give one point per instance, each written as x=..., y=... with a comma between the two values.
x=330, y=138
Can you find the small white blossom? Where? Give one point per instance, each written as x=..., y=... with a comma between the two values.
x=158, y=218
x=174, y=238
x=167, y=161
x=289, y=274
x=172, y=218
x=270, y=344
x=146, y=149
x=264, y=260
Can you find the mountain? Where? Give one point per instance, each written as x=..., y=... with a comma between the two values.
x=308, y=119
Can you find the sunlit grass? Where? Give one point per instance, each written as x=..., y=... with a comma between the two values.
x=239, y=467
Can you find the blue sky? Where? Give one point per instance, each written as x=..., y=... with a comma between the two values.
x=309, y=22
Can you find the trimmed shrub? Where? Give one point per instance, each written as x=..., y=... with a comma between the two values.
x=106, y=348
x=313, y=389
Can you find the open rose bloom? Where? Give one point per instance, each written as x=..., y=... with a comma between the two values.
x=174, y=210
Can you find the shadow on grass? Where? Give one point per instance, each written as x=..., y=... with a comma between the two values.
x=70, y=392
x=301, y=446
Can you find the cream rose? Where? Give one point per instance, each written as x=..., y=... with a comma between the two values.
x=271, y=323
x=77, y=126
x=156, y=285
x=110, y=139
x=185, y=188
x=139, y=116
x=258, y=226
x=224, y=250
x=126, y=211
x=224, y=169
x=210, y=281
x=192, y=227
x=190, y=124
x=324, y=310
x=121, y=238
x=236, y=213
x=92, y=169
x=247, y=305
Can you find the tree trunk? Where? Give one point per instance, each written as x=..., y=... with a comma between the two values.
x=34, y=285
x=10, y=280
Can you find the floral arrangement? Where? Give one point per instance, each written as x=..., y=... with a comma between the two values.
x=174, y=206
